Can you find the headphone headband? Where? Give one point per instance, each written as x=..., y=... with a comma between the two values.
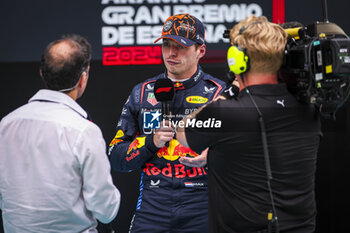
x=243, y=28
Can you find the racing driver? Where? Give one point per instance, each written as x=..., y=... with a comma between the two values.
x=171, y=193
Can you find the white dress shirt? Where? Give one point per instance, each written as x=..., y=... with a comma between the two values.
x=54, y=172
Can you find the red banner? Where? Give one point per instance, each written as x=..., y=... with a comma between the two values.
x=278, y=11
x=132, y=55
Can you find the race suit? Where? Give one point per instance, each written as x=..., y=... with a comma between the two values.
x=173, y=197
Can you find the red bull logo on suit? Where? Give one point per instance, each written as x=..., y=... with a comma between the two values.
x=175, y=151
x=117, y=137
x=136, y=144
x=177, y=171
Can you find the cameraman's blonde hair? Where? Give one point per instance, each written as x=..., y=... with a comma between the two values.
x=264, y=43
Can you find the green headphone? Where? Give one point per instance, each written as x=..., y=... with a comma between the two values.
x=237, y=60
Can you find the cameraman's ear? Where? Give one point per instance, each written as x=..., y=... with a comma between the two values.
x=41, y=73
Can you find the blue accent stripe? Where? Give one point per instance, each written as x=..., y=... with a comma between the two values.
x=139, y=199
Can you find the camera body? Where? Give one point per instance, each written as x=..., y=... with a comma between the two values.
x=316, y=65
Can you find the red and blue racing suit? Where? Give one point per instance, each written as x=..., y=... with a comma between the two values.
x=173, y=197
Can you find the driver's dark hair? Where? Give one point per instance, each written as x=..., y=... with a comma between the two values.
x=62, y=69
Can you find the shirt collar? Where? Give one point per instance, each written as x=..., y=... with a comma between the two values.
x=188, y=83
x=266, y=89
x=58, y=97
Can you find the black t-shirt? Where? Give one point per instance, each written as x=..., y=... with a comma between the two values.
x=238, y=193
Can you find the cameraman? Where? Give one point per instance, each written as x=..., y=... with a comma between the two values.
x=243, y=196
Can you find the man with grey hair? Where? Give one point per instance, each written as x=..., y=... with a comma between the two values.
x=54, y=172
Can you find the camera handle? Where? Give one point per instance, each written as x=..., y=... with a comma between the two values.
x=325, y=10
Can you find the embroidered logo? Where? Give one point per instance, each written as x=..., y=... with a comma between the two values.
x=154, y=184
x=230, y=92
x=196, y=99
x=281, y=102
x=208, y=90
x=152, y=99
x=149, y=87
x=168, y=25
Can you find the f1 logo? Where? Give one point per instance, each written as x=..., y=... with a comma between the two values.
x=163, y=89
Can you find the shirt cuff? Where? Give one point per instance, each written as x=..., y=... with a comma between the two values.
x=150, y=144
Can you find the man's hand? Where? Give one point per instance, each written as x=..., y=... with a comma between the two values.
x=199, y=161
x=164, y=134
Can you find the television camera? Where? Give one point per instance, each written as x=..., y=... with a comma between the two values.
x=316, y=65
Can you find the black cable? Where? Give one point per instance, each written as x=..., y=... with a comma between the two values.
x=267, y=160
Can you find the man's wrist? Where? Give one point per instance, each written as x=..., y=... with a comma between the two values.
x=150, y=144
